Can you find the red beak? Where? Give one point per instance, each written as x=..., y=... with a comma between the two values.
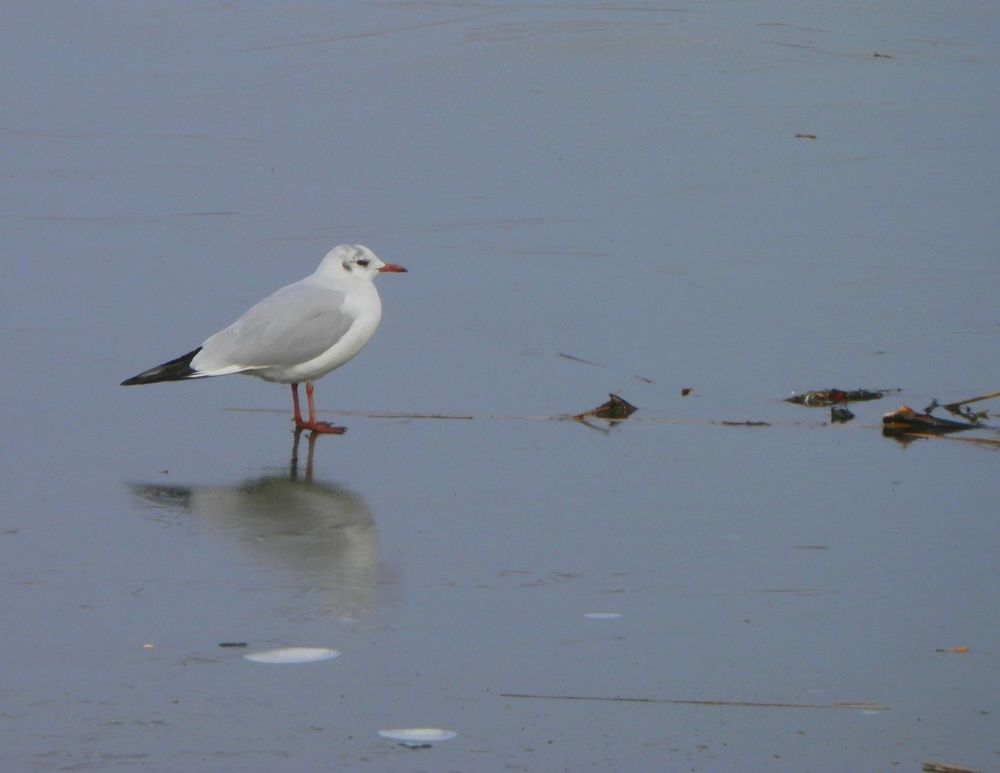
x=392, y=268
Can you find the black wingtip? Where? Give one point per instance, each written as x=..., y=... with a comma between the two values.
x=175, y=370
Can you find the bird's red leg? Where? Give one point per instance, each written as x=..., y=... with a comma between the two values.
x=316, y=426
x=295, y=402
x=309, y=398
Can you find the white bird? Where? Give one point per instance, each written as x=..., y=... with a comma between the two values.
x=297, y=334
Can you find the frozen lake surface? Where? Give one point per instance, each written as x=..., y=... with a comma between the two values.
x=741, y=199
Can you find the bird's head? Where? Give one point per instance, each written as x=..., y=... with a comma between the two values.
x=356, y=260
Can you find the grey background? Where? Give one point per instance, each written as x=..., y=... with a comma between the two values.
x=620, y=182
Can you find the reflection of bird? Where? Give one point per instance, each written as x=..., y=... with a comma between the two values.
x=298, y=333
x=321, y=531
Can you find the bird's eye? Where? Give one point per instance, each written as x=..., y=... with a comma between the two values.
x=363, y=261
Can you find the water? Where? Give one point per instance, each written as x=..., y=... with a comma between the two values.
x=620, y=183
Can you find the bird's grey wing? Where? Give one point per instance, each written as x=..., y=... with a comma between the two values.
x=291, y=326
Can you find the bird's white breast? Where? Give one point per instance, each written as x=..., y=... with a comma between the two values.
x=363, y=306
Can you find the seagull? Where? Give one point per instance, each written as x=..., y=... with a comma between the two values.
x=297, y=334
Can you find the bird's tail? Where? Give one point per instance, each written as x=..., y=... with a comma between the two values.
x=175, y=370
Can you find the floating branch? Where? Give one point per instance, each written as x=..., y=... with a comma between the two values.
x=940, y=767
x=905, y=420
x=574, y=358
x=956, y=408
x=823, y=398
x=680, y=702
x=616, y=408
